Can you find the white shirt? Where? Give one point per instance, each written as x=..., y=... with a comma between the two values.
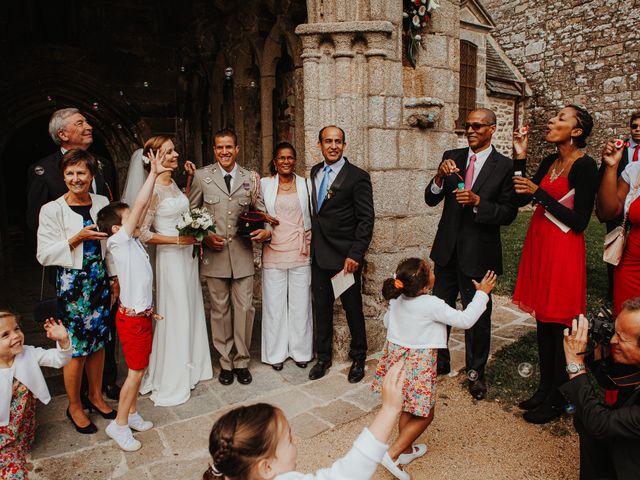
x=134, y=271
x=631, y=175
x=420, y=322
x=233, y=173
x=481, y=158
x=631, y=149
x=333, y=173
x=359, y=464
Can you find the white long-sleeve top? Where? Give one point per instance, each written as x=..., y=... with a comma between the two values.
x=421, y=322
x=359, y=464
x=26, y=369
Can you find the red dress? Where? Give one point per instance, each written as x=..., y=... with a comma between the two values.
x=552, y=278
x=626, y=276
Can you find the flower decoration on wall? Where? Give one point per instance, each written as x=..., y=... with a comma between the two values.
x=415, y=16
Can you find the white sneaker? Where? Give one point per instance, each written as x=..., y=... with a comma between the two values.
x=123, y=436
x=394, y=469
x=419, y=449
x=139, y=424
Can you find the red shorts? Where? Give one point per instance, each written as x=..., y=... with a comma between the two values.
x=136, y=337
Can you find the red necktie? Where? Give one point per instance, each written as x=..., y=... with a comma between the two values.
x=468, y=176
x=635, y=153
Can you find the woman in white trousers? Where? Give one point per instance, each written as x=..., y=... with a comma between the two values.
x=287, y=325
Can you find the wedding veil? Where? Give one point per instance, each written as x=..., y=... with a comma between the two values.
x=135, y=177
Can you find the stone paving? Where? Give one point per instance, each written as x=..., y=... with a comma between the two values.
x=177, y=447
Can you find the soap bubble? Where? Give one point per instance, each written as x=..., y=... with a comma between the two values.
x=525, y=369
x=472, y=375
x=570, y=409
x=145, y=84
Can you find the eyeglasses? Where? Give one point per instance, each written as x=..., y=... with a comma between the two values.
x=477, y=126
x=635, y=126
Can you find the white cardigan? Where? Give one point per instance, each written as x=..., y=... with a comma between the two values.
x=57, y=224
x=269, y=186
x=421, y=322
x=26, y=369
x=359, y=464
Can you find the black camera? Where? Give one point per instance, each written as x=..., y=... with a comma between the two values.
x=601, y=328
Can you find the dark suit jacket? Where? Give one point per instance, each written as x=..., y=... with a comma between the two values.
x=46, y=183
x=618, y=429
x=344, y=225
x=474, y=237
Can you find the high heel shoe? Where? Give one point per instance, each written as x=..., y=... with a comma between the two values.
x=109, y=415
x=91, y=428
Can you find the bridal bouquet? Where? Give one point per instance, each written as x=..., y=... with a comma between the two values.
x=197, y=222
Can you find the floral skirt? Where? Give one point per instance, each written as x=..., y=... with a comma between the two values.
x=420, y=383
x=16, y=438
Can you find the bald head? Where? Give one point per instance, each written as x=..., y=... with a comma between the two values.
x=488, y=115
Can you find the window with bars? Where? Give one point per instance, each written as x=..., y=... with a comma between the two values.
x=468, y=68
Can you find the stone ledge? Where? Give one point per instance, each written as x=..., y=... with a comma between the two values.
x=378, y=26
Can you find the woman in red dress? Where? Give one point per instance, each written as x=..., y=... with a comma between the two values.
x=617, y=196
x=552, y=278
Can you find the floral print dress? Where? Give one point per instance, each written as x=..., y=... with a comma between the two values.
x=16, y=437
x=83, y=296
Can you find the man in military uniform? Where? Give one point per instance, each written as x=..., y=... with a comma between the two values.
x=226, y=190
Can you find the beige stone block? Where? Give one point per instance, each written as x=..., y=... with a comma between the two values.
x=440, y=83
x=394, y=80
x=436, y=50
x=339, y=412
x=326, y=112
x=394, y=190
x=363, y=397
x=376, y=75
x=306, y=426
x=376, y=111
x=326, y=80
x=292, y=402
x=174, y=469
x=184, y=438
x=417, y=149
x=344, y=112
x=446, y=19
x=325, y=388
x=417, y=231
x=393, y=111
x=151, y=451
x=96, y=462
x=384, y=235
x=383, y=152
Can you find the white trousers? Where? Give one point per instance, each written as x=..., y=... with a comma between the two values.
x=287, y=323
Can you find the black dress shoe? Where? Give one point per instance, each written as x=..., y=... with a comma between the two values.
x=112, y=391
x=356, y=372
x=277, y=366
x=225, y=377
x=543, y=414
x=302, y=364
x=535, y=401
x=443, y=369
x=91, y=428
x=319, y=370
x=244, y=375
x=478, y=389
x=109, y=415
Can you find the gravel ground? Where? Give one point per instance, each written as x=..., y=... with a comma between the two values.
x=467, y=440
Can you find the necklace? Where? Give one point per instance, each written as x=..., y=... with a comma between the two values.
x=289, y=186
x=554, y=175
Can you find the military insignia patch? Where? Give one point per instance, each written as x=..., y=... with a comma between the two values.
x=208, y=179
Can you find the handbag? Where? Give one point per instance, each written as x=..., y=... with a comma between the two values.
x=46, y=307
x=249, y=222
x=615, y=240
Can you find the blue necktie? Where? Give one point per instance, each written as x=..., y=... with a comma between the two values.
x=324, y=185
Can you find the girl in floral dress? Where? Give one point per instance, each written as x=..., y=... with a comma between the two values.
x=416, y=327
x=21, y=382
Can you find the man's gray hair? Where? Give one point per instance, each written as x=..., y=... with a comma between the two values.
x=57, y=122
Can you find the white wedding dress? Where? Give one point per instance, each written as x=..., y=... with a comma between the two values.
x=180, y=356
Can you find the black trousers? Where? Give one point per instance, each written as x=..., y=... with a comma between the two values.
x=552, y=361
x=323, y=301
x=596, y=462
x=450, y=282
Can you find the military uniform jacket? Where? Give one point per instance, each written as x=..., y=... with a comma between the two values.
x=209, y=190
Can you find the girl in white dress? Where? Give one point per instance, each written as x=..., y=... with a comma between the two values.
x=180, y=356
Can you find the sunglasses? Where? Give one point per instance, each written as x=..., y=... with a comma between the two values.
x=635, y=126
x=475, y=126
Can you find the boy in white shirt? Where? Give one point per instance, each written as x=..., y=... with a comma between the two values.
x=135, y=313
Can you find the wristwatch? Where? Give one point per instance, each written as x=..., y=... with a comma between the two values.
x=574, y=368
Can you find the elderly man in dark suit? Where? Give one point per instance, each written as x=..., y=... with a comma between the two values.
x=467, y=242
x=69, y=130
x=342, y=226
x=609, y=435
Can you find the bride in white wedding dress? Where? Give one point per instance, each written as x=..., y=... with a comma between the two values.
x=180, y=356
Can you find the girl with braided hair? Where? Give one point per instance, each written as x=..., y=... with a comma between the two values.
x=416, y=327
x=255, y=442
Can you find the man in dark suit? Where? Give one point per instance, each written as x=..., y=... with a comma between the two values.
x=467, y=242
x=609, y=435
x=69, y=129
x=630, y=153
x=342, y=226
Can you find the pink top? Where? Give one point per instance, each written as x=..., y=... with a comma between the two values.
x=289, y=246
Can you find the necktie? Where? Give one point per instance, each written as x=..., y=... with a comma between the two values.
x=227, y=180
x=635, y=153
x=468, y=176
x=324, y=185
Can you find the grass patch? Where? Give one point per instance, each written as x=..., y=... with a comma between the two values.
x=507, y=385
